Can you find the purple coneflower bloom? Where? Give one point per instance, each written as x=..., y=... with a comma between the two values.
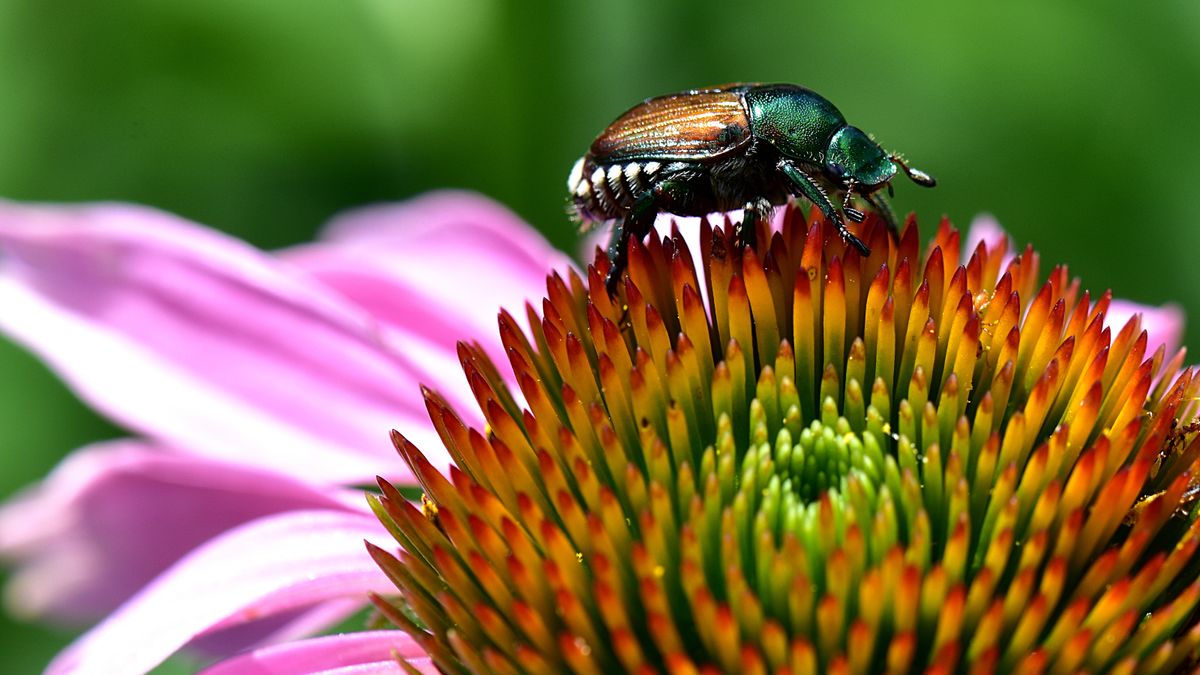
x=262, y=385
x=799, y=459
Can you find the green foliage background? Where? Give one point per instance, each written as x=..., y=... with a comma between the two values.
x=1075, y=123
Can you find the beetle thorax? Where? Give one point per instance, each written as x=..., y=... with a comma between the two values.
x=795, y=121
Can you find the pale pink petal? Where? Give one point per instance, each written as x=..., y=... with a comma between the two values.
x=275, y=565
x=114, y=515
x=433, y=219
x=200, y=340
x=986, y=229
x=595, y=238
x=366, y=652
x=438, y=268
x=1163, y=324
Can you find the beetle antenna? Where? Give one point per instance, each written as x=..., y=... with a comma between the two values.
x=915, y=175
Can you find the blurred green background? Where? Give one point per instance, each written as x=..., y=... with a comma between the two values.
x=1075, y=124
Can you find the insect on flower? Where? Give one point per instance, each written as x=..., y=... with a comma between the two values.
x=737, y=146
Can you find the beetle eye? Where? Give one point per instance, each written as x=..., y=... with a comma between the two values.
x=837, y=169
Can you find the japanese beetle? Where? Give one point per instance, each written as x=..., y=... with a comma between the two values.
x=748, y=146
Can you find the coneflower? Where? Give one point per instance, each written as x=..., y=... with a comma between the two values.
x=798, y=459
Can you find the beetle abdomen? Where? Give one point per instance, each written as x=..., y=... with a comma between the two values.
x=692, y=126
x=606, y=191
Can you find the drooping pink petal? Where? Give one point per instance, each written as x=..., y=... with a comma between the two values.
x=114, y=515
x=367, y=652
x=272, y=566
x=439, y=267
x=985, y=228
x=200, y=340
x=1163, y=324
x=435, y=220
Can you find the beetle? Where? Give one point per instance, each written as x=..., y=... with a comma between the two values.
x=747, y=146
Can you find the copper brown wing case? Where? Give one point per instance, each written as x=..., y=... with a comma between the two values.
x=686, y=126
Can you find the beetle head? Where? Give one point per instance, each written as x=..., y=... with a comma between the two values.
x=855, y=160
x=852, y=157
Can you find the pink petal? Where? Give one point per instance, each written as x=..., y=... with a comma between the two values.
x=436, y=218
x=985, y=228
x=366, y=652
x=1163, y=324
x=438, y=267
x=114, y=515
x=268, y=567
x=200, y=340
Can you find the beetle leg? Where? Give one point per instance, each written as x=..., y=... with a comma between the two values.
x=747, y=230
x=753, y=212
x=617, y=247
x=884, y=209
x=637, y=223
x=662, y=196
x=813, y=193
x=618, y=241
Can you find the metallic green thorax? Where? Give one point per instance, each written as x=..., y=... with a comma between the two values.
x=804, y=125
x=797, y=121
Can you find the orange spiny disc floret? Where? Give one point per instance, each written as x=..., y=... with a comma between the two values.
x=796, y=459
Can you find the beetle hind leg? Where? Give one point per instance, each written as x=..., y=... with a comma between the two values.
x=754, y=212
x=884, y=209
x=636, y=223
x=664, y=195
x=618, y=252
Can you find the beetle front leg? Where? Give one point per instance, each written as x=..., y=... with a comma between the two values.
x=884, y=209
x=813, y=193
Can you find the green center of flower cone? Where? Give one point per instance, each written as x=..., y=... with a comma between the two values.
x=804, y=460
